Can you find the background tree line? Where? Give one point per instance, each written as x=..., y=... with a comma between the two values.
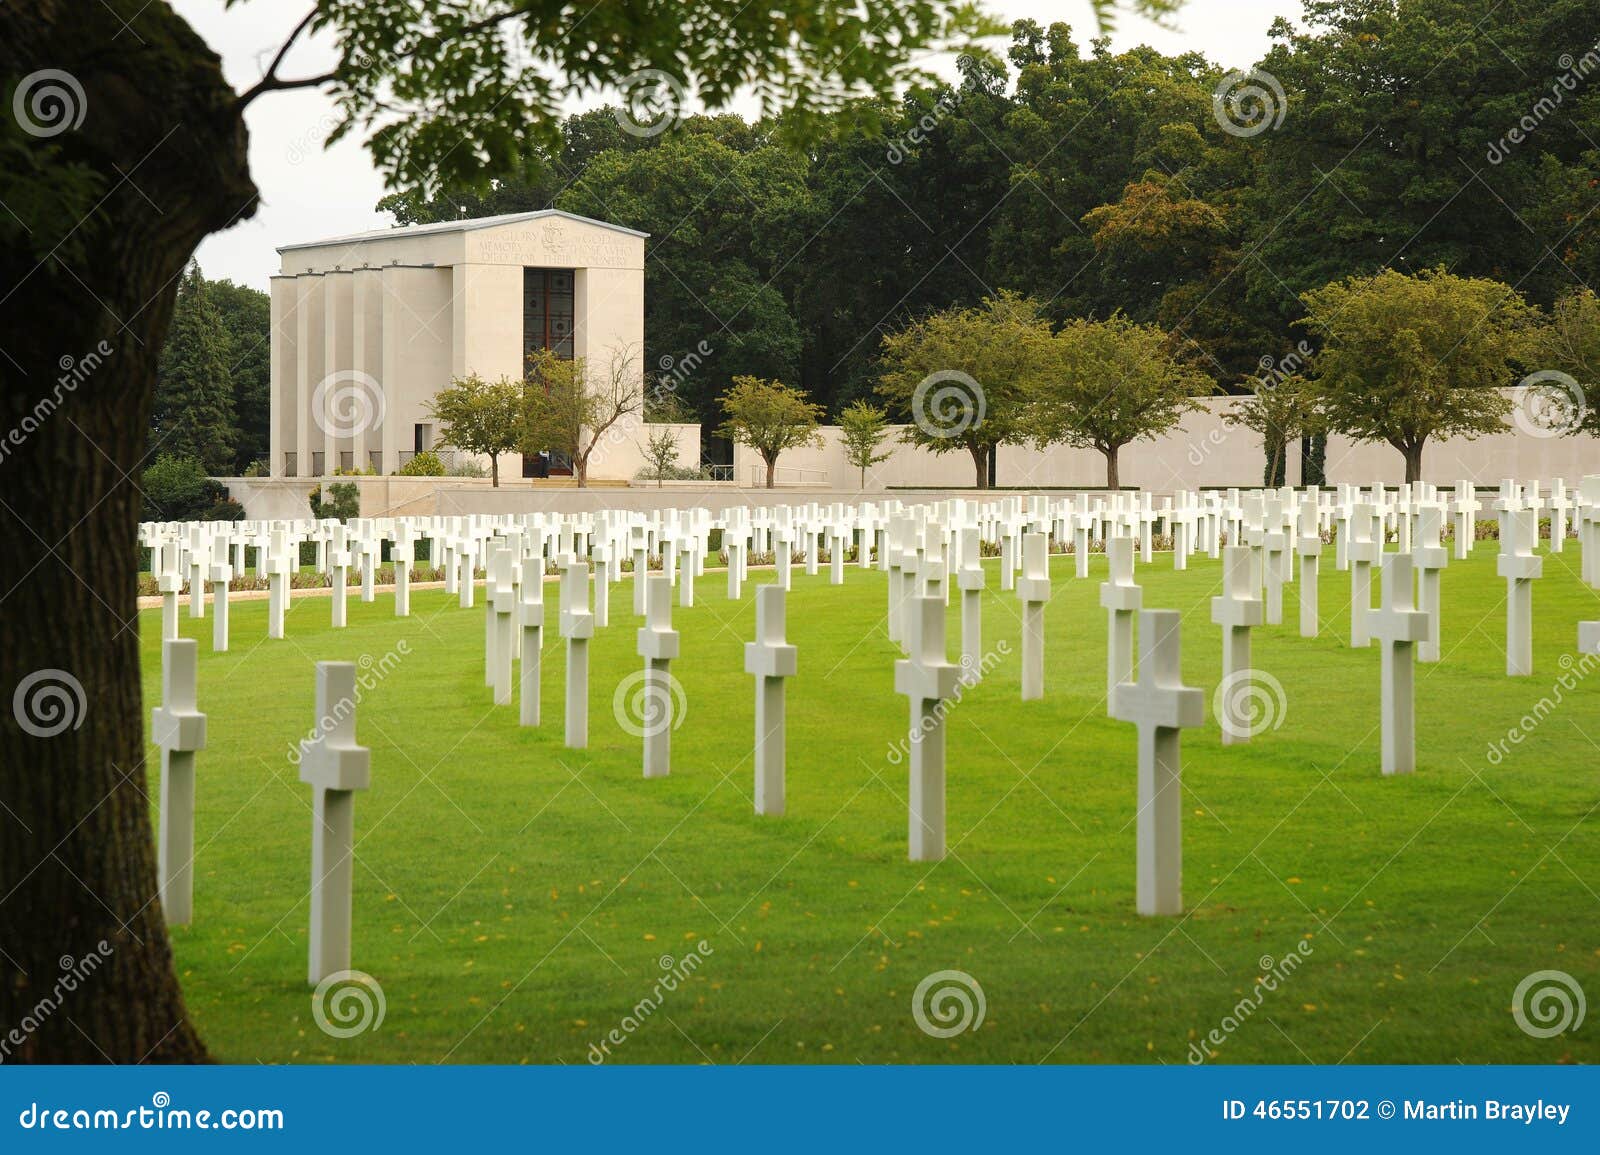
x=1095, y=183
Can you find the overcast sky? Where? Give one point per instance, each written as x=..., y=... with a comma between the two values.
x=308, y=192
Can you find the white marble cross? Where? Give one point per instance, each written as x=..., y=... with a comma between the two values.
x=169, y=580
x=770, y=659
x=1558, y=504
x=1518, y=565
x=280, y=565
x=1429, y=557
x=639, y=548
x=927, y=679
x=220, y=576
x=467, y=564
x=690, y=567
x=1162, y=707
x=782, y=555
x=1399, y=625
x=338, y=558
x=401, y=555
x=734, y=546
x=577, y=626
x=1365, y=551
x=1275, y=546
x=1467, y=507
x=1082, y=520
x=970, y=579
x=1033, y=591
x=658, y=645
x=501, y=595
x=1589, y=529
x=335, y=767
x=199, y=551
x=179, y=729
x=603, y=556
x=1237, y=611
x=1121, y=598
x=369, y=547
x=1308, y=546
x=531, y=622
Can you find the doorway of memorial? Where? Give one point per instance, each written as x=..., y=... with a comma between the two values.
x=546, y=464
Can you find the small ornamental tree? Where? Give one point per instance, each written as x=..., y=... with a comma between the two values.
x=862, y=426
x=1407, y=358
x=480, y=416
x=965, y=378
x=769, y=417
x=1113, y=382
x=660, y=452
x=567, y=408
x=1565, y=357
x=1280, y=410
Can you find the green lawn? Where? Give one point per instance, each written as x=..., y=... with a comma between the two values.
x=516, y=899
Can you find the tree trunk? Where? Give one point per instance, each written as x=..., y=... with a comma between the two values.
x=1113, y=479
x=494, y=471
x=772, y=469
x=980, y=465
x=82, y=330
x=1413, y=456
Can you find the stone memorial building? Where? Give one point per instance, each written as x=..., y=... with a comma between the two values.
x=367, y=328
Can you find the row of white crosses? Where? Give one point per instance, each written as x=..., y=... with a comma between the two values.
x=1157, y=702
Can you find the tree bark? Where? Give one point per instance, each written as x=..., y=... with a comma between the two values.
x=88, y=303
x=1413, y=456
x=980, y=465
x=494, y=471
x=772, y=469
x=1113, y=478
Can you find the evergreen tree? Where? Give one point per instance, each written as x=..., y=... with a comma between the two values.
x=246, y=317
x=193, y=415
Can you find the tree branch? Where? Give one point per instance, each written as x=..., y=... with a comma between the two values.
x=269, y=81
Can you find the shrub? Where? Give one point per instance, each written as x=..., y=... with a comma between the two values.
x=343, y=501
x=225, y=510
x=424, y=464
x=257, y=468
x=177, y=489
